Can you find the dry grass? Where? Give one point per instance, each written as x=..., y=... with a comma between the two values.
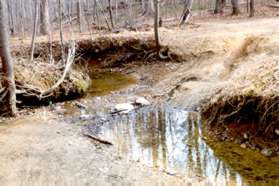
x=251, y=93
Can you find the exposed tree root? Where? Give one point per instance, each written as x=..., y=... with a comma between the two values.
x=40, y=82
x=109, y=52
x=258, y=114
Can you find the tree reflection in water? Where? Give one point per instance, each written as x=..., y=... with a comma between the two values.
x=169, y=139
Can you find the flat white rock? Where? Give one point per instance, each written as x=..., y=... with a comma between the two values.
x=124, y=107
x=85, y=116
x=142, y=101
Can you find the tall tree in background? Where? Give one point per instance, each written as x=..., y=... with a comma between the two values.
x=80, y=16
x=219, y=6
x=186, y=11
x=252, y=8
x=44, y=17
x=235, y=7
x=7, y=64
x=156, y=24
x=35, y=25
x=60, y=9
x=147, y=7
x=110, y=14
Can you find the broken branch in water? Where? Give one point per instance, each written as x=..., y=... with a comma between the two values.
x=97, y=139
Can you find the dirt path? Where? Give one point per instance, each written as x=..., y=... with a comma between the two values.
x=42, y=150
x=39, y=150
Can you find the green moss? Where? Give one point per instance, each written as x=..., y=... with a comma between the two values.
x=81, y=84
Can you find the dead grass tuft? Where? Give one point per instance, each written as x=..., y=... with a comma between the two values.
x=250, y=97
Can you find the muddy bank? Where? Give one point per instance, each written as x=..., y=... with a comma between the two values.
x=246, y=110
x=213, y=72
x=92, y=56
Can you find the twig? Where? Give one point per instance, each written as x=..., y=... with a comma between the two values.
x=97, y=139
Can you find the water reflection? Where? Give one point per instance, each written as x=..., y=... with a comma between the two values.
x=169, y=139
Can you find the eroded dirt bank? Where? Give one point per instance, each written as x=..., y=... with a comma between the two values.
x=218, y=60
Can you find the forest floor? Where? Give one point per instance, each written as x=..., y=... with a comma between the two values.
x=218, y=58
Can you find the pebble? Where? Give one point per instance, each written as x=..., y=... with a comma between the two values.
x=80, y=105
x=267, y=152
x=124, y=107
x=85, y=116
x=243, y=145
x=142, y=101
x=204, y=137
x=57, y=108
x=245, y=136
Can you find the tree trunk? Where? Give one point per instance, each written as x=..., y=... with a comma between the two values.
x=61, y=28
x=252, y=8
x=235, y=7
x=7, y=64
x=35, y=25
x=156, y=24
x=217, y=9
x=147, y=7
x=110, y=14
x=219, y=6
x=44, y=27
x=186, y=12
x=80, y=17
x=11, y=18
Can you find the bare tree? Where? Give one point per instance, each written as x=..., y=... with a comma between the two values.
x=235, y=7
x=219, y=6
x=156, y=24
x=110, y=14
x=186, y=11
x=34, y=30
x=252, y=8
x=80, y=16
x=44, y=16
x=7, y=64
x=60, y=6
x=147, y=7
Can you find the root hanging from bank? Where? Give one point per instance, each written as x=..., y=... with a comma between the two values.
x=69, y=62
x=112, y=52
x=256, y=116
x=40, y=82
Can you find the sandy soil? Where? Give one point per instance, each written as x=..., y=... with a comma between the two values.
x=38, y=150
x=41, y=149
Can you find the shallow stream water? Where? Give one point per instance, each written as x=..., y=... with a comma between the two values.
x=171, y=140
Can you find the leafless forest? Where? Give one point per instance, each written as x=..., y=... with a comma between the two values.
x=93, y=14
x=135, y=91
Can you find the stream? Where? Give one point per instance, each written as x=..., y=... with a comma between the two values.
x=172, y=140
x=168, y=139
